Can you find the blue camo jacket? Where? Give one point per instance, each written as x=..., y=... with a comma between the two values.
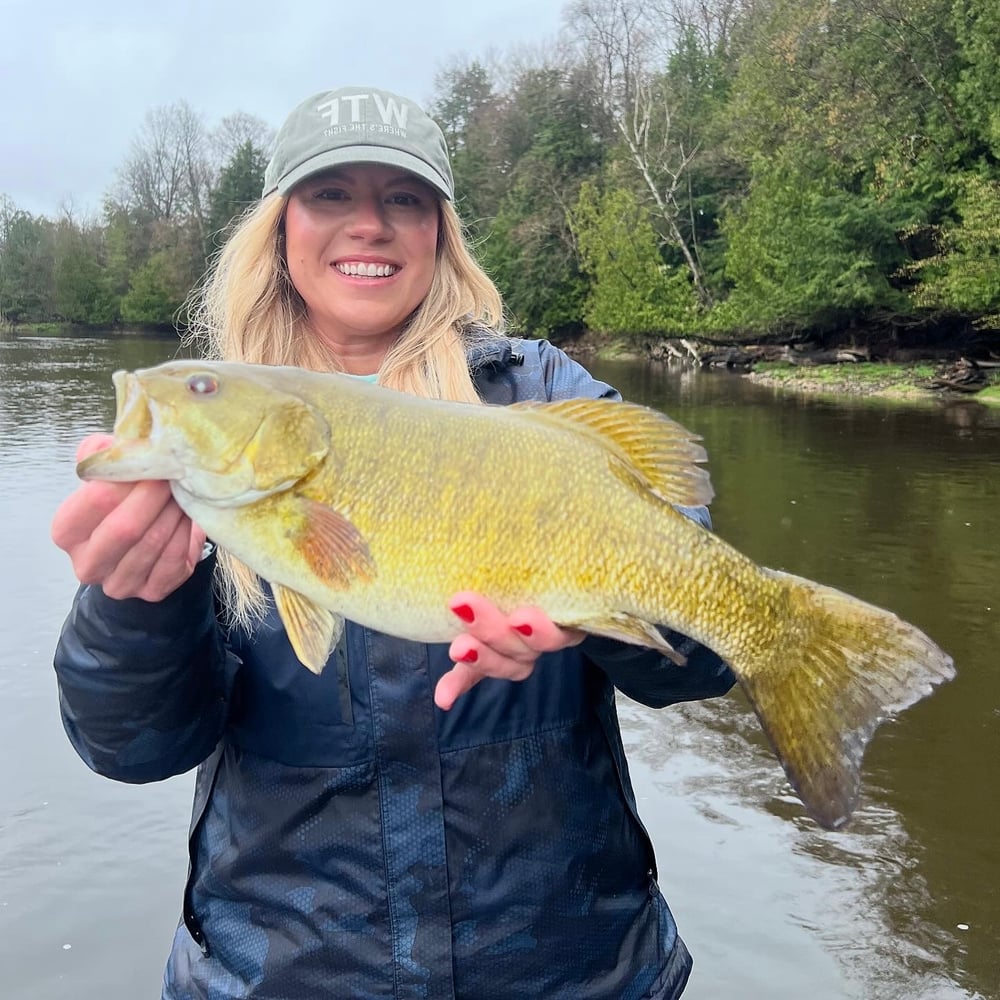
x=350, y=840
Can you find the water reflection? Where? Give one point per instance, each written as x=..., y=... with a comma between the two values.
x=899, y=505
x=89, y=870
x=773, y=906
x=59, y=380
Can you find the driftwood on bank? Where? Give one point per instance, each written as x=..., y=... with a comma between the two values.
x=964, y=375
x=743, y=357
x=961, y=375
x=963, y=365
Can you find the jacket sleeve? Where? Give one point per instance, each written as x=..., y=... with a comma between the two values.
x=143, y=687
x=653, y=680
x=642, y=674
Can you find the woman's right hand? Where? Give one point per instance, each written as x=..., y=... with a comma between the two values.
x=130, y=538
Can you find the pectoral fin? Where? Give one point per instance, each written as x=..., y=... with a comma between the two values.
x=313, y=631
x=334, y=549
x=627, y=628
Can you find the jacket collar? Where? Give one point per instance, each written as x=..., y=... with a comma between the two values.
x=494, y=354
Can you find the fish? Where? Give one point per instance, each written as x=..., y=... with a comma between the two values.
x=353, y=501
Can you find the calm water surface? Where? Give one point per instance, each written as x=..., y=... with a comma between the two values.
x=898, y=504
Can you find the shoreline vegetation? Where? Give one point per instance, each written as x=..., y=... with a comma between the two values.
x=930, y=373
x=724, y=173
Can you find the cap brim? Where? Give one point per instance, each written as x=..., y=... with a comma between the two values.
x=383, y=155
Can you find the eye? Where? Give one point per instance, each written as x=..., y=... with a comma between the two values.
x=404, y=198
x=203, y=384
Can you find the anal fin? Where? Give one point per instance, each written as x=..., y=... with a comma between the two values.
x=627, y=628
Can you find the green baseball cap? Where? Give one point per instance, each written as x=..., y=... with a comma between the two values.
x=358, y=125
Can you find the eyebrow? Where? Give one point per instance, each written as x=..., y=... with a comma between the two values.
x=345, y=174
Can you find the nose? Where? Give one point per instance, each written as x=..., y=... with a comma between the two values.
x=368, y=219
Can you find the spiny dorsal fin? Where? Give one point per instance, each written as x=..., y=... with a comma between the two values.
x=658, y=450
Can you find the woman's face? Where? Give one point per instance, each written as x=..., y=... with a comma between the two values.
x=361, y=244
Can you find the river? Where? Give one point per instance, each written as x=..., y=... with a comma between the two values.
x=897, y=503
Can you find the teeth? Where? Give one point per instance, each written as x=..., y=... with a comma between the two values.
x=359, y=269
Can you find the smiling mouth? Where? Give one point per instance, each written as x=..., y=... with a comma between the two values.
x=359, y=269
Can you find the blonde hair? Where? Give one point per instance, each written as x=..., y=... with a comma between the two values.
x=247, y=309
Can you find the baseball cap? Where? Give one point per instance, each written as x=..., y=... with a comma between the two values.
x=358, y=125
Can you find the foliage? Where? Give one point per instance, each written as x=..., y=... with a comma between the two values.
x=964, y=274
x=977, y=30
x=739, y=165
x=80, y=279
x=157, y=290
x=550, y=141
x=25, y=265
x=632, y=290
x=803, y=252
x=240, y=183
x=470, y=113
x=542, y=285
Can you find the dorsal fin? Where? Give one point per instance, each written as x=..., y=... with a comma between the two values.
x=657, y=450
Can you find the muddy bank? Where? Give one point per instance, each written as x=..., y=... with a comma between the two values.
x=860, y=368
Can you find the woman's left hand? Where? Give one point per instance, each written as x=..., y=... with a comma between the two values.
x=497, y=645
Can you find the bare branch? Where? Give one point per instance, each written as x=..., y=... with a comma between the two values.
x=628, y=43
x=236, y=130
x=167, y=173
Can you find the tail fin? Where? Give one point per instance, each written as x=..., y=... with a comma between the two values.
x=843, y=667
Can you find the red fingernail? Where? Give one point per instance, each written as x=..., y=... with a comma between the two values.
x=470, y=657
x=464, y=612
x=524, y=629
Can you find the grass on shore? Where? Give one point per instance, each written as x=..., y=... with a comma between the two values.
x=860, y=379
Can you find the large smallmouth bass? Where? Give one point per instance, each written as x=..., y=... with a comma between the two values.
x=358, y=502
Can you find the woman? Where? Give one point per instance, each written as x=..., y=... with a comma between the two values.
x=417, y=821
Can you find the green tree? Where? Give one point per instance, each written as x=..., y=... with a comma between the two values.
x=80, y=278
x=156, y=292
x=850, y=119
x=160, y=286
x=805, y=252
x=554, y=141
x=632, y=289
x=699, y=77
x=542, y=284
x=977, y=28
x=128, y=235
x=240, y=183
x=25, y=266
x=470, y=113
x=963, y=275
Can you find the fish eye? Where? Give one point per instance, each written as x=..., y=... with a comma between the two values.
x=203, y=384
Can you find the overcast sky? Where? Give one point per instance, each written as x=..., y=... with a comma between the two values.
x=76, y=79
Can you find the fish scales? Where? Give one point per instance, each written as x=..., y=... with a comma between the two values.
x=356, y=501
x=512, y=545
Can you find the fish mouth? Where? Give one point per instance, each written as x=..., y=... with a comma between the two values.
x=134, y=420
x=127, y=458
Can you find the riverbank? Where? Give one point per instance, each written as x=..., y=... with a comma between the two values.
x=835, y=372
x=878, y=379
x=62, y=329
